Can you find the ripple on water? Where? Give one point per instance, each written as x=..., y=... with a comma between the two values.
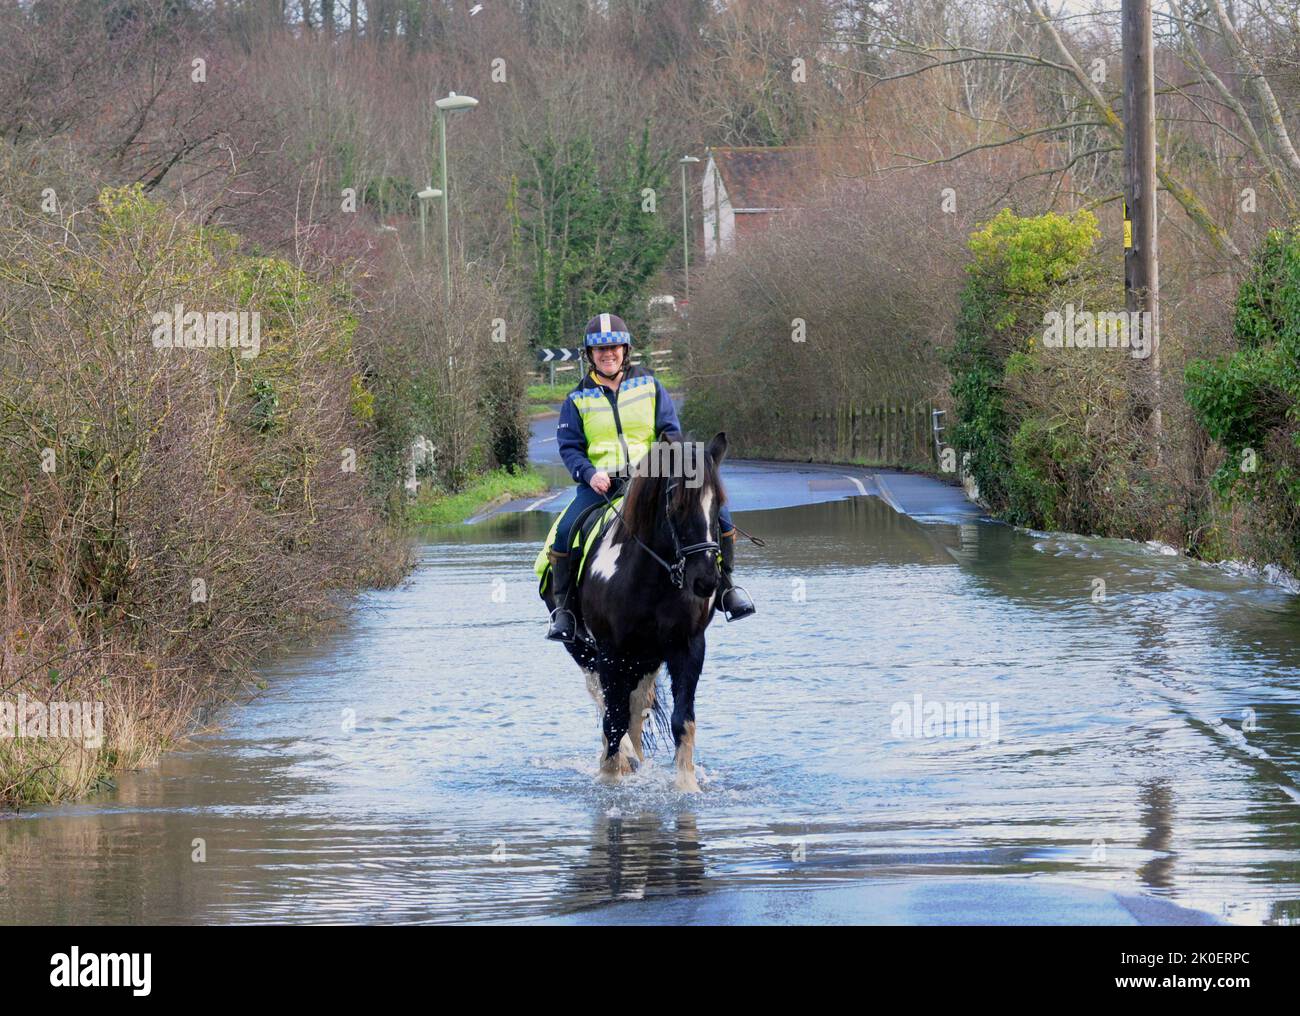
x=435, y=760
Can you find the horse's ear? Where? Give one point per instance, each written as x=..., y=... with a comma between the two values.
x=717, y=450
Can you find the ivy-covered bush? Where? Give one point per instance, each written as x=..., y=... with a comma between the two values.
x=1019, y=267
x=1249, y=401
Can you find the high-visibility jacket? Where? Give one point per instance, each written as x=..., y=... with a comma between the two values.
x=602, y=429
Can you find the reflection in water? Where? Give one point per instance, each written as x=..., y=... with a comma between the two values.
x=1157, y=817
x=635, y=856
x=1159, y=719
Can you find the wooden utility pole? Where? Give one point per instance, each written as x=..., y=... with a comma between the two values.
x=1141, y=248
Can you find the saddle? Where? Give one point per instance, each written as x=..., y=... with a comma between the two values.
x=593, y=521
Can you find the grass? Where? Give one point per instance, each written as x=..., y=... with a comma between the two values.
x=548, y=395
x=134, y=726
x=443, y=508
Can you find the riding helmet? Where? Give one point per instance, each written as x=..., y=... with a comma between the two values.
x=607, y=330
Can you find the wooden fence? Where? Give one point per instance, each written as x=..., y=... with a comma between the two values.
x=881, y=435
x=890, y=435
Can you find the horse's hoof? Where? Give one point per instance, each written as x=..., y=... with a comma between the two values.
x=613, y=770
x=628, y=752
x=686, y=783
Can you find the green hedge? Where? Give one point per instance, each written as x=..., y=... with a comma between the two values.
x=1249, y=400
x=1018, y=267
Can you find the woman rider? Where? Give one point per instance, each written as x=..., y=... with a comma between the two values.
x=606, y=424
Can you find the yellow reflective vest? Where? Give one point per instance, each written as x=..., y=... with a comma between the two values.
x=619, y=431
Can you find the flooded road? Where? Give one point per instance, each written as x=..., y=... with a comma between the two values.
x=433, y=760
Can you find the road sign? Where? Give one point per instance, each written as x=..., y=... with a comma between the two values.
x=558, y=355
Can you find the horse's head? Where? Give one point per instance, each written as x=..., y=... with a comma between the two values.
x=672, y=505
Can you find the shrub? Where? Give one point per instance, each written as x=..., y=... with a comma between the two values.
x=455, y=374
x=166, y=515
x=869, y=277
x=1018, y=267
x=1249, y=402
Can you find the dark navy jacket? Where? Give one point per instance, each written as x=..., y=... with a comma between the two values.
x=573, y=441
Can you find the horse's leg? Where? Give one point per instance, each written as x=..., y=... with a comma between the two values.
x=684, y=665
x=616, y=691
x=640, y=704
x=631, y=741
x=585, y=656
x=598, y=697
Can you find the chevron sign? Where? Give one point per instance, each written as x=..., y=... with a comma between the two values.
x=558, y=355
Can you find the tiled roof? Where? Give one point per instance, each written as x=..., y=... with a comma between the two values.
x=794, y=176
x=765, y=177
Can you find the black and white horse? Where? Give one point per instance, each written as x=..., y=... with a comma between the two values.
x=645, y=600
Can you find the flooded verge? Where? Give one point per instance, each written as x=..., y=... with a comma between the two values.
x=433, y=761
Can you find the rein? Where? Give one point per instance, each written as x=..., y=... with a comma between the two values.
x=676, y=570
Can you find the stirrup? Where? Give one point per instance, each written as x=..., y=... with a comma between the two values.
x=557, y=632
x=743, y=609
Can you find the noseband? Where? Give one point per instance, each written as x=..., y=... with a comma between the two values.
x=676, y=570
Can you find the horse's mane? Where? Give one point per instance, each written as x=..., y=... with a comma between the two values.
x=645, y=490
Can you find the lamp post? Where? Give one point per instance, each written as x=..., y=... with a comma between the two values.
x=685, y=161
x=450, y=104
x=425, y=196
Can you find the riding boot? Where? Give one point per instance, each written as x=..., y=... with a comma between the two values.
x=733, y=601
x=563, y=624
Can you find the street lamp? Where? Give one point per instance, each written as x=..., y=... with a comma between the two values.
x=450, y=104
x=685, y=161
x=425, y=196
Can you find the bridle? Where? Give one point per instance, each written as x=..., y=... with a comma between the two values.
x=676, y=570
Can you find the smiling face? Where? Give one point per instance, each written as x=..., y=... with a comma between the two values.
x=608, y=359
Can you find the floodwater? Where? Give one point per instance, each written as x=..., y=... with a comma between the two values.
x=434, y=759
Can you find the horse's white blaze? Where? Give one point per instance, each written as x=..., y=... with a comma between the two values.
x=605, y=562
x=706, y=503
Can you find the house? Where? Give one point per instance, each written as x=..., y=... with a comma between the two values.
x=743, y=189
